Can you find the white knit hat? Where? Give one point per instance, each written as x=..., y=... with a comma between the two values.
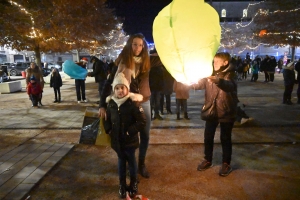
x=120, y=79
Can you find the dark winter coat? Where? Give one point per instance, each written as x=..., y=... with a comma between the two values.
x=99, y=71
x=289, y=75
x=168, y=82
x=156, y=78
x=272, y=65
x=227, y=96
x=124, y=122
x=55, y=80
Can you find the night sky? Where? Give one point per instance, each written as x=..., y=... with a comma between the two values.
x=139, y=15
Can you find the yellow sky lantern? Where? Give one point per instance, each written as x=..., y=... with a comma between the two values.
x=187, y=36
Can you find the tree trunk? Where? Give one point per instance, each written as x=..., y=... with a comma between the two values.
x=38, y=56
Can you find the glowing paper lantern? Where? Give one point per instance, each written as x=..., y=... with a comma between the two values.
x=187, y=36
x=262, y=33
x=74, y=70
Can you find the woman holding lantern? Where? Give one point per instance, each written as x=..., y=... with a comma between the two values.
x=221, y=89
x=134, y=62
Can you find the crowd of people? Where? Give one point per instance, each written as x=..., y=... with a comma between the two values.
x=137, y=88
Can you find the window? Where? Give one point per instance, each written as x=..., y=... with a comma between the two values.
x=245, y=13
x=223, y=13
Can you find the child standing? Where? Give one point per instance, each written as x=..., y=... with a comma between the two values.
x=254, y=71
x=221, y=88
x=124, y=119
x=56, y=83
x=182, y=94
x=34, y=91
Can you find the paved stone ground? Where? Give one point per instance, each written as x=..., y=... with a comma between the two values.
x=33, y=141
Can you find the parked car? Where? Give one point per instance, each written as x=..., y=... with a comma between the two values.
x=51, y=66
x=16, y=69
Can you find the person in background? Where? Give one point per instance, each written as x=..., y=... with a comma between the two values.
x=124, y=119
x=34, y=91
x=80, y=83
x=36, y=71
x=182, y=92
x=280, y=65
x=264, y=67
x=167, y=91
x=99, y=72
x=134, y=62
x=272, y=67
x=156, y=83
x=289, y=81
x=297, y=68
x=254, y=71
x=56, y=83
x=222, y=88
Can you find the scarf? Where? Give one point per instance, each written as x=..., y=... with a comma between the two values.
x=119, y=102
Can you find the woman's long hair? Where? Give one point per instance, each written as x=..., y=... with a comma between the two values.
x=126, y=55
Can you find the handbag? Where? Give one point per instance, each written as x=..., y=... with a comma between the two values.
x=209, y=111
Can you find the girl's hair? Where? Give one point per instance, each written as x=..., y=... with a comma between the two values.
x=126, y=55
x=54, y=72
x=224, y=56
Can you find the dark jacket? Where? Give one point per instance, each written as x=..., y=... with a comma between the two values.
x=156, y=76
x=168, y=82
x=124, y=122
x=55, y=80
x=227, y=96
x=99, y=71
x=289, y=74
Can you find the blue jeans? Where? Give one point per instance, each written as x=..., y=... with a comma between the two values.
x=144, y=134
x=127, y=155
x=225, y=136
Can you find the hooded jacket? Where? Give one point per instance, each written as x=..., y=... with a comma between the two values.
x=124, y=121
x=225, y=92
x=37, y=73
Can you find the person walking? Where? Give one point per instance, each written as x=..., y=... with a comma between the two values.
x=156, y=83
x=220, y=88
x=36, y=71
x=125, y=118
x=56, y=83
x=100, y=72
x=134, y=62
x=264, y=67
x=289, y=81
x=80, y=83
x=182, y=92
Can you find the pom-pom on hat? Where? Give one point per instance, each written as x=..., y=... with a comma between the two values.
x=32, y=78
x=84, y=59
x=120, y=79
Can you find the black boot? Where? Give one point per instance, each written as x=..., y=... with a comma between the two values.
x=55, y=101
x=142, y=169
x=178, y=116
x=186, y=116
x=157, y=116
x=133, y=187
x=122, y=189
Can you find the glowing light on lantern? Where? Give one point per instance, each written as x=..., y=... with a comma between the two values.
x=186, y=37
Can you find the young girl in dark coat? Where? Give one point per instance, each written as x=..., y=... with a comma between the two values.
x=222, y=88
x=56, y=83
x=124, y=119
